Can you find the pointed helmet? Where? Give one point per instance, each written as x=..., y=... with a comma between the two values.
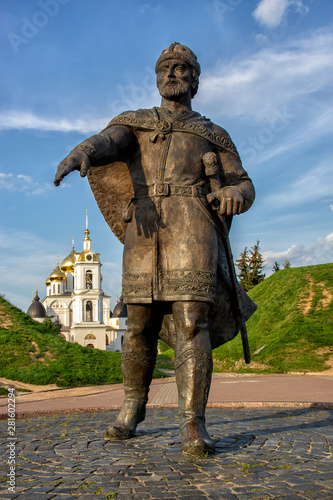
x=178, y=51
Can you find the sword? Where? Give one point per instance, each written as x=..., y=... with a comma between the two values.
x=212, y=171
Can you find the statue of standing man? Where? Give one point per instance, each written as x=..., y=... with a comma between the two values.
x=158, y=164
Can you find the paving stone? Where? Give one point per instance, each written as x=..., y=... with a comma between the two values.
x=162, y=493
x=254, y=495
x=293, y=497
x=29, y=496
x=284, y=452
x=219, y=493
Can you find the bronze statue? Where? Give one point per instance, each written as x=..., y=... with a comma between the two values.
x=151, y=171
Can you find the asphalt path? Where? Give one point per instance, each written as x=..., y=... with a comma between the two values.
x=226, y=391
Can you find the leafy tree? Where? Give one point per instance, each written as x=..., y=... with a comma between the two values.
x=243, y=265
x=286, y=264
x=276, y=267
x=53, y=324
x=255, y=267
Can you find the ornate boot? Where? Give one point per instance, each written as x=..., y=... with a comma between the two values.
x=193, y=376
x=137, y=375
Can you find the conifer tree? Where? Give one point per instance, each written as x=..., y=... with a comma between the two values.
x=53, y=324
x=276, y=267
x=286, y=264
x=255, y=267
x=243, y=265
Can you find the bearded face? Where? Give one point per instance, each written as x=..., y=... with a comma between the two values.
x=174, y=79
x=174, y=90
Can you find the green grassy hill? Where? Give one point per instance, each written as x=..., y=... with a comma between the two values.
x=30, y=353
x=292, y=328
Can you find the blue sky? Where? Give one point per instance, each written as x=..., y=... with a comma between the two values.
x=69, y=66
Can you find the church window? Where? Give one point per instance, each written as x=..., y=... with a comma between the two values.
x=89, y=311
x=90, y=336
x=89, y=280
x=106, y=339
x=58, y=288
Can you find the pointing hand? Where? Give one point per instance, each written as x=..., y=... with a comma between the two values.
x=76, y=160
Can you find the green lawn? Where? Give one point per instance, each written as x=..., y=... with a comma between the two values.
x=294, y=322
x=30, y=353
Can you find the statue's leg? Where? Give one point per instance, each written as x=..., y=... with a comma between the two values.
x=137, y=364
x=193, y=367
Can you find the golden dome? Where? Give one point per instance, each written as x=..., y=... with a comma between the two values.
x=48, y=281
x=57, y=275
x=88, y=256
x=67, y=265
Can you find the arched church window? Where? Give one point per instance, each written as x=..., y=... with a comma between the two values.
x=89, y=280
x=106, y=339
x=89, y=311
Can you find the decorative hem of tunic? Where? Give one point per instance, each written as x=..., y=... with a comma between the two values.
x=171, y=286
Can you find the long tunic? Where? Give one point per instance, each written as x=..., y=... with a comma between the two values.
x=171, y=244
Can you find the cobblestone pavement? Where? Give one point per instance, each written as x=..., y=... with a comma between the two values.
x=261, y=454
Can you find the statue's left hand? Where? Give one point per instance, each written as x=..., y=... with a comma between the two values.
x=231, y=201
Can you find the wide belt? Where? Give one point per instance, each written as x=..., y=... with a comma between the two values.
x=165, y=189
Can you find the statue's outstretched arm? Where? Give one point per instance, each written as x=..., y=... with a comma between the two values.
x=114, y=144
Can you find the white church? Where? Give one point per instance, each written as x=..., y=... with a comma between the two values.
x=74, y=295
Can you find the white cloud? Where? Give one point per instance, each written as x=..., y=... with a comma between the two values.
x=320, y=252
x=25, y=120
x=331, y=207
x=316, y=128
x=270, y=13
x=22, y=183
x=257, y=86
x=146, y=7
x=269, y=79
x=112, y=275
x=27, y=258
x=313, y=185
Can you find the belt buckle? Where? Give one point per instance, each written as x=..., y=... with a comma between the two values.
x=162, y=189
